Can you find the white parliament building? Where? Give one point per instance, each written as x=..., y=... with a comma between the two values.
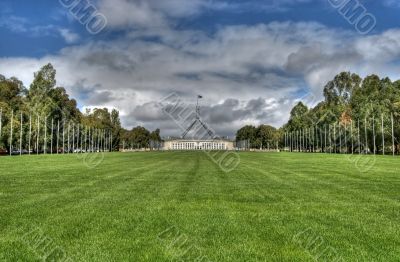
x=187, y=144
x=211, y=143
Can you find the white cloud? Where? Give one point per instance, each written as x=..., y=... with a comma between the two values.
x=148, y=14
x=69, y=36
x=247, y=74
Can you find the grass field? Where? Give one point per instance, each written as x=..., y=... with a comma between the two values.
x=181, y=206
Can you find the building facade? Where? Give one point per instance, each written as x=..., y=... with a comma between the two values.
x=183, y=144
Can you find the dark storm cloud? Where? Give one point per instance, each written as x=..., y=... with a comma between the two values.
x=110, y=60
x=100, y=97
x=308, y=58
x=223, y=117
x=149, y=112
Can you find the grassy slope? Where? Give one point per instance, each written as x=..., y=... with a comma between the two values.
x=116, y=211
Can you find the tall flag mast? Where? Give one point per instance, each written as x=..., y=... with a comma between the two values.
x=198, y=120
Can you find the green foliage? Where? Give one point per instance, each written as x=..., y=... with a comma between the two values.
x=339, y=91
x=155, y=135
x=298, y=117
x=12, y=93
x=102, y=118
x=44, y=101
x=264, y=136
x=348, y=98
x=139, y=137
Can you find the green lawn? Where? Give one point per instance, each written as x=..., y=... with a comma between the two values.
x=180, y=206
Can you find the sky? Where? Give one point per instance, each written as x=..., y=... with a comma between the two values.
x=252, y=61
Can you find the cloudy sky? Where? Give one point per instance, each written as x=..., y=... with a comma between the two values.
x=251, y=60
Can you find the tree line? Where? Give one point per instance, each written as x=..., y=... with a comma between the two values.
x=139, y=138
x=261, y=137
x=363, y=109
x=37, y=117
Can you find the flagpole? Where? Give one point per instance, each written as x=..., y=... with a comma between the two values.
x=79, y=147
x=366, y=135
x=52, y=135
x=359, y=137
x=383, y=138
x=325, y=139
x=373, y=130
x=38, y=135
x=334, y=138
x=30, y=134
x=11, y=131
x=352, y=140
x=393, y=134
x=63, y=137
x=345, y=138
x=58, y=135
x=1, y=118
x=20, y=137
x=69, y=136
x=45, y=136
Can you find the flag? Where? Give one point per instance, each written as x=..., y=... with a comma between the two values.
x=199, y=96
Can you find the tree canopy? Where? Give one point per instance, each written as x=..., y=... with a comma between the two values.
x=46, y=101
x=348, y=98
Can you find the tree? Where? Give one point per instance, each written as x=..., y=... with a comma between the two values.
x=155, y=135
x=102, y=118
x=40, y=100
x=155, y=139
x=46, y=101
x=349, y=99
x=339, y=91
x=65, y=108
x=298, y=117
x=247, y=133
x=267, y=136
x=116, y=129
x=140, y=137
x=12, y=92
x=12, y=102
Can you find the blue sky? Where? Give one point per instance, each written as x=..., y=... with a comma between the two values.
x=42, y=13
x=252, y=60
